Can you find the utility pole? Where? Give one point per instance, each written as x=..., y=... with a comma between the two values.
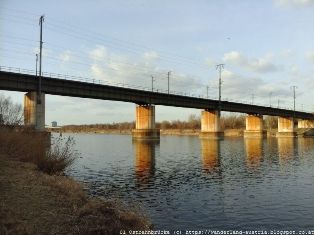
x=252, y=98
x=270, y=93
x=41, y=20
x=153, y=83
x=36, y=63
x=278, y=103
x=293, y=88
x=207, y=92
x=219, y=67
x=169, y=80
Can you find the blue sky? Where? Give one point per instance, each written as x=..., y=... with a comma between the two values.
x=266, y=46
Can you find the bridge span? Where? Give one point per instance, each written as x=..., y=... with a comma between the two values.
x=34, y=112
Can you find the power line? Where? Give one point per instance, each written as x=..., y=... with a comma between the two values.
x=117, y=43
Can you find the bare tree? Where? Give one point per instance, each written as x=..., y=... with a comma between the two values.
x=10, y=113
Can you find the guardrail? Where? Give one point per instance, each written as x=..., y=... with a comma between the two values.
x=124, y=85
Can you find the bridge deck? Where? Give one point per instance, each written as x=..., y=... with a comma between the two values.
x=55, y=86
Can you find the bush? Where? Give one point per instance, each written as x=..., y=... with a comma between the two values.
x=58, y=157
x=10, y=113
x=32, y=147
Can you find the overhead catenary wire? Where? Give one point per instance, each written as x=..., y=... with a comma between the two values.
x=97, y=38
x=88, y=38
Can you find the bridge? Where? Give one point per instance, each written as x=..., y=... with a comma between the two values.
x=34, y=111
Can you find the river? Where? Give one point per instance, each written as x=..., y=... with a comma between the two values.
x=183, y=182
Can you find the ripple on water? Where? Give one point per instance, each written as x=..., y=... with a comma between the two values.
x=184, y=183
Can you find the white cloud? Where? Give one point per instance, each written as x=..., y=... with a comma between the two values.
x=287, y=53
x=99, y=53
x=294, y=3
x=210, y=62
x=310, y=55
x=294, y=69
x=150, y=55
x=65, y=56
x=240, y=88
x=124, y=71
x=97, y=72
x=260, y=65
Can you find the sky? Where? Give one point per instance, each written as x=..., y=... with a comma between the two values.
x=266, y=48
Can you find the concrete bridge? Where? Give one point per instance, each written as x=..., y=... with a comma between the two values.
x=34, y=111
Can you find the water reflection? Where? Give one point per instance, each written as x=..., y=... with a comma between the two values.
x=305, y=145
x=286, y=149
x=144, y=160
x=254, y=151
x=177, y=195
x=210, y=154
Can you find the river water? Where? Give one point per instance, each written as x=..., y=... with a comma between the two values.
x=183, y=182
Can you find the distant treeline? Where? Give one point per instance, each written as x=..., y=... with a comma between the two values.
x=193, y=122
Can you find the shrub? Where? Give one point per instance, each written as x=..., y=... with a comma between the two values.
x=58, y=157
x=32, y=147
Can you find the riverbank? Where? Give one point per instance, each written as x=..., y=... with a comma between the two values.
x=33, y=202
x=185, y=132
x=305, y=132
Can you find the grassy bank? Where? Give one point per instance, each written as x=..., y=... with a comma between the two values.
x=34, y=202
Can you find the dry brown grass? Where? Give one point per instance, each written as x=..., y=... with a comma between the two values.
x=29, y=146
x=33, y=202
x=21, y=145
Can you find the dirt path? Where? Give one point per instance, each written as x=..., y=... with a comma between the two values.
x=32, y=202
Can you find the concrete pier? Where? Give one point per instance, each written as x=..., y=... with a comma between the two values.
x=34, y=113
x=285, y=127
x=145, y=123
x=210, y=125
x=254, y=126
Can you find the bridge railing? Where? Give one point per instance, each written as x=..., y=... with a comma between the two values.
x=124, y=85
x=97, y=81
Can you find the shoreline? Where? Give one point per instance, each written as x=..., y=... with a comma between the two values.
x=176, y=132
x=34, y=202
x=300, y=132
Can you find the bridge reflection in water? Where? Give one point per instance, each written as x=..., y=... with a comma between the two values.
x=210, y=154
x=305, y=145
x=286, y=149
x=144, y=159
x=254, y=151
